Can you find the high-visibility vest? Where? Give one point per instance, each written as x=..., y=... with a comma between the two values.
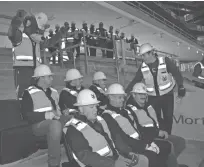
x=143, y=119
x=101, y=90
x=165, y=80
x=72, y=92
x=110, y=35
x=202, y=67
x=123, y=123
x=96, y=141
x=41, y=103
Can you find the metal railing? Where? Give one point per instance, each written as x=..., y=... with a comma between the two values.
x=163, y=20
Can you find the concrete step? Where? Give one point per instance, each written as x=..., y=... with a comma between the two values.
x=6, y=65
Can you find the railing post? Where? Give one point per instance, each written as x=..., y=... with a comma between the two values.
x=115, y=54
x=86, y=56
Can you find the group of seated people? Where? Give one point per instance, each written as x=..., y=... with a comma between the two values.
x=101, y=127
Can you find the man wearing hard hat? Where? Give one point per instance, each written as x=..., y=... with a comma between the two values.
x=159, y=75
x=121, y=126
x=68, y=95
x=90, y=138
x=145, y=119
x=40, y=108
x=99, y=88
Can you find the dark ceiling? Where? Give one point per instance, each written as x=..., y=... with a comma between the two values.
x=188, y=15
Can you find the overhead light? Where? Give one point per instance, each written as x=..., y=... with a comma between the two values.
x=202, y=54
x=197, y=51
x=178, y=43
x=189, y=48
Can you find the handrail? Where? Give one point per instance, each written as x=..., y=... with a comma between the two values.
x=163, y=20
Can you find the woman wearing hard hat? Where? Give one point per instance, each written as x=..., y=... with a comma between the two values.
x=90, y=138
x=68, y=95
x=123, y=131
x=160, y=75
x=99, y=88
x=145, y=119
x=40, y=108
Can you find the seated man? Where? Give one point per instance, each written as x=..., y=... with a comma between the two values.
x=99, y=88
x=68, y=94
x=90, y=139
x=40, y=108
x=145, y=119
x=121, y=126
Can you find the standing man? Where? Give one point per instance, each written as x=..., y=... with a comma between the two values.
x=159, y=75
x=92, y=41
x=76, y=37
x=102, y=32
x=110, y=36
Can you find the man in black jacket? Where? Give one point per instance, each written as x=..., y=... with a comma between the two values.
x=68, y=94
x=40, y=108
x=145, y=119
x=90, y=138
x=99, y=88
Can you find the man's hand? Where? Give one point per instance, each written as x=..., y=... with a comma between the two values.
x=65, y=112
x=122, y=162
x=163, y=134
x=135, y=159
x=153, y=147
x=65, y=118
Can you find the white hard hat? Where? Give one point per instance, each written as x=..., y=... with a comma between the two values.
x=41, y=19
x=99, y=75
x=42, y=70
x=144, y=48
x=73, y=74
x=86, y=97
x=139, y=88
x=115, y=89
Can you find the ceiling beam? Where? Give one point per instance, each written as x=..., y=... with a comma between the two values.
x=6, y=17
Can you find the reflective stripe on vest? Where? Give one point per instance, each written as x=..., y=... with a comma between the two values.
x=123, y=123
x=72, y=92
x=100, y=89
x=98, y=142
x=41, y=103
x=142, y=116
x=165, y=80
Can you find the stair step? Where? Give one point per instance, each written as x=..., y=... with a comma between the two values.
x=7, y=72
x=6, y=65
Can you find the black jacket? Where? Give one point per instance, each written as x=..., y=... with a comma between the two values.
x=67, y=100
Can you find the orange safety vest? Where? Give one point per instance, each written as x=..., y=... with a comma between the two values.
x=124, y=124
x=96, y=141
x=165, y=80
x=202, y=67
x=143, y=118
x=40, y=101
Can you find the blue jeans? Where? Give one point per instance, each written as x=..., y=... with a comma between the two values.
x=53, y=130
